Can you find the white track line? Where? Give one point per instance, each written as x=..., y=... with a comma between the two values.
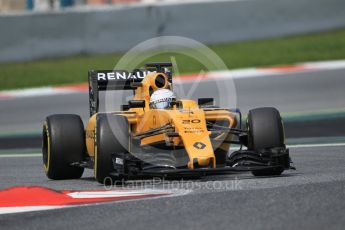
x=14, y=155
x=316, y=145
x=9, y=210
x=109, y=194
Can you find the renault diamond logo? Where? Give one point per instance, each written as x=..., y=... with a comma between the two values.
x=199, y=145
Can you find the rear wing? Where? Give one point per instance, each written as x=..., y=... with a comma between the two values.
x=100, y=80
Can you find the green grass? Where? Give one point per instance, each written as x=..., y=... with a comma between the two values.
x=294, y=49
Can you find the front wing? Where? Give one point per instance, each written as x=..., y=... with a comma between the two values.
x=239, y=161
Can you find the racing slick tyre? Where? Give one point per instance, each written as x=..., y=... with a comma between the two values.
x=63, y=144
x=107, y=143
x=265, y=130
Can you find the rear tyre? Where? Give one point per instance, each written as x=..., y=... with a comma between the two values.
x=265, y=131
x=108, y=143
x=63, y=144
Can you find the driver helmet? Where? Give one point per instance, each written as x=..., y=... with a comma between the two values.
x=162, y=99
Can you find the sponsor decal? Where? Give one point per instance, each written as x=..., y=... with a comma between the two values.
x=191, y=126
x=193, y=130
x=199, y=145
x=121, y=75
x=192, y=121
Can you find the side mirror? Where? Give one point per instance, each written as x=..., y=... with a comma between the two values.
x=205, y=101
x=136, y=104
x=124, y=107
x=178, y=104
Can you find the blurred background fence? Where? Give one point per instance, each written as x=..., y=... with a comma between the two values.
x=21, y=5
x=90, y=29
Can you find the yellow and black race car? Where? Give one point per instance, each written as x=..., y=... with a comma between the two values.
x=156, y=134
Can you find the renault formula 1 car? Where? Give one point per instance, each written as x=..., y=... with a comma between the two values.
x=187, y=138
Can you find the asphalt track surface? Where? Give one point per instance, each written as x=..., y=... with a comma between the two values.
x=310, y=198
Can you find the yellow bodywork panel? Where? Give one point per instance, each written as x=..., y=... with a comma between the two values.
x=192, y=130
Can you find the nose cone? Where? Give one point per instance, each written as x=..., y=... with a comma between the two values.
x=202, y=162
x=196, y=140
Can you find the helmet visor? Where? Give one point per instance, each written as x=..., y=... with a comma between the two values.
x=162, y=105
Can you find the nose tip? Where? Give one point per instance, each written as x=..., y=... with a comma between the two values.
x=203, y=162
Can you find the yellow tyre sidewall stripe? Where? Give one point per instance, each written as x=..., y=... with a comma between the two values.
x=95, y=151
x=46, y=167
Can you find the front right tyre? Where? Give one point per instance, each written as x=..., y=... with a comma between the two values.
x=112, y=137
x=265, y=131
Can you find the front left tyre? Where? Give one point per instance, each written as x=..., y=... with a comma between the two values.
x=63, y=144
